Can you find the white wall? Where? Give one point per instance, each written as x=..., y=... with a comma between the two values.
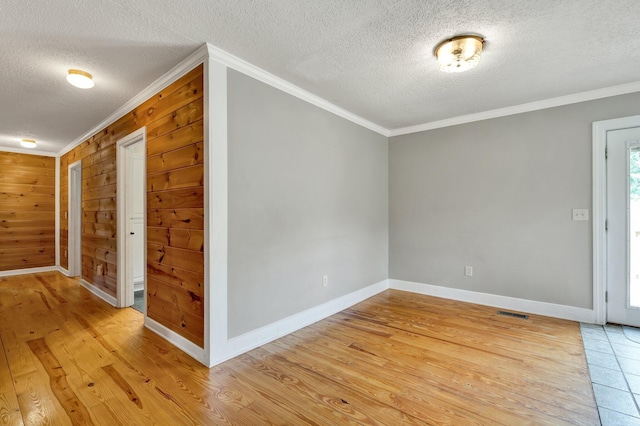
x=497, y=195
x=308, y=196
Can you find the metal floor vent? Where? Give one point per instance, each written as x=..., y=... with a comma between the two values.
x=513, y=314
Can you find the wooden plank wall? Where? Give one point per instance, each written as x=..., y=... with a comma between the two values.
x=27, y=211
x=175, y=204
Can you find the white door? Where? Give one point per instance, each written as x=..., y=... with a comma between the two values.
x=623, y=226
x=131, y=196
x=75, y=220
x=135, y=212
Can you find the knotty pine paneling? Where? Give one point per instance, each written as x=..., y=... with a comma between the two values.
x=181, y=258
x=185, y=177
x=163, y=146
x=189, y=218
x=189, y=281
x=189, y=198
x=175, y=217
x=27, y=211
x=179, y=238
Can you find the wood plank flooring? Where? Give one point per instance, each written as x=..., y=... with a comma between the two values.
x=398, y=358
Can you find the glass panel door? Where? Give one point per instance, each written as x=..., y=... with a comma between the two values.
x=634, y=224
x=623, y=234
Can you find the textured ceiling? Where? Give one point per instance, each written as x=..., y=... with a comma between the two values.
x=370, y=57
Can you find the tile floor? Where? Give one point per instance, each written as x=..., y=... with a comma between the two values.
x=138, y=301
x=613, y=356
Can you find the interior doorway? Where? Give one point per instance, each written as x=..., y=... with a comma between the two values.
x=74, y=218
x=131, y=198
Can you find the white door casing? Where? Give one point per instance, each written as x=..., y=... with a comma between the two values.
x=131, y=153
x=599, y=184
x=600, y=130
x=619, y=144
x=74, y=217
x=135, y=212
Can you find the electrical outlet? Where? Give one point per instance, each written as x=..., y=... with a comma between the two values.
x=468, y=271
x=99, y=269
x=325, y=280
x=65, y=253
x=580, y=214
x=65, y=215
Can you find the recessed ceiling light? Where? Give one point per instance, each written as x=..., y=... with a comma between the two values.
x=460, y=53
x=28, y=143
x=81, y=79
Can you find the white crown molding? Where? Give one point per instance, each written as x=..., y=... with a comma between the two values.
x=176, y=340
x=27, y=151
x=590, y=95
x=523, y=305
x=240, y=65
x=101, y=294
x=171, y=76
x=259, y=74
x=12, y=272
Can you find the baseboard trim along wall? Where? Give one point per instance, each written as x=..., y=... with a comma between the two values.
x=177, y=340
x=101, y=294
x=528, y=306
x=172, y=337
x=255, y=338
x=251, y=340
x=263, y=335
x=28, y=271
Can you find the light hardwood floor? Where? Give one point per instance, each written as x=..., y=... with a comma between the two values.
x=398, y=358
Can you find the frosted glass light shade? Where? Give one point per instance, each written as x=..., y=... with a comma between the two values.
x=28, y=143
x=460, y=53
x=81, y=79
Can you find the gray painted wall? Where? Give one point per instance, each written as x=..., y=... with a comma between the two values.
x=308, y=196
x=497, y=195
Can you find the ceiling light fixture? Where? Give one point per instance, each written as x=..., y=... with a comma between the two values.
x=81, y=79
x=460, y=53
x=28, y=143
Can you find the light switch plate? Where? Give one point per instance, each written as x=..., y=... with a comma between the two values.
x=580, y=214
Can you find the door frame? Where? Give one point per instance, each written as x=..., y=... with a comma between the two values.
x=600, y=129
x=74, y=217
x=124, y=295
x=628, y=149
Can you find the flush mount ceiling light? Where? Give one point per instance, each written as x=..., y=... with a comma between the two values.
x=28, y=143
x=81, y=79
x=460, y=53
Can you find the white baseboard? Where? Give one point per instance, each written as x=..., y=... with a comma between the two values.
x=28, y=271
x=504, y=302
x=101, y=294
x=251, y=340
x=177, y=340
x=63, y=271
